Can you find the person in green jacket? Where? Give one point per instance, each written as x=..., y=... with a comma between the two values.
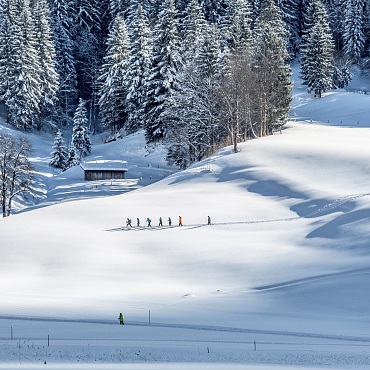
x=120, y=318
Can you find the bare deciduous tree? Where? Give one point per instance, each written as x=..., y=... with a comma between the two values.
x=16, y=171
x=255, y=93
x=237, y=95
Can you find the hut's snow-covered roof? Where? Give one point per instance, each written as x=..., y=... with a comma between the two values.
x=104, y=165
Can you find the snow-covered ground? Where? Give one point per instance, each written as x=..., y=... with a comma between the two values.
x=280, y=280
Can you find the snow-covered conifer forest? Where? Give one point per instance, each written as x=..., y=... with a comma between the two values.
x=195, y=74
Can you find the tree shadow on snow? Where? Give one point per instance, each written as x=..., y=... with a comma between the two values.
x=338, y=228
x=272, y=188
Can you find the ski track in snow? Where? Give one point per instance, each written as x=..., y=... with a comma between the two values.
x=356, y=340
x=312, y=279
x=328, y=207
x=336, y=203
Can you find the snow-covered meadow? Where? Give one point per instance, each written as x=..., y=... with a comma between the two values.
x=280, y=280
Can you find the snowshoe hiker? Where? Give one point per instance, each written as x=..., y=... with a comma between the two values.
x=137, y=222
x=128, y=222
x=209, y=220
x=169, y=221
x=180, y=221
x=160, y=222
x=120, y=318
x=148, y=220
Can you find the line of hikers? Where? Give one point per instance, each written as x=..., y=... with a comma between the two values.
x=149, y=221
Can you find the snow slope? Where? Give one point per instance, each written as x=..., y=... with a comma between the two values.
x=285, y=262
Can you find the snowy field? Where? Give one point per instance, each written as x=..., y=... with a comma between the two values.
x=279, y=281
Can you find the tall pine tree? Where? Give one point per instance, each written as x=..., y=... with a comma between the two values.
x=113, y=90
x=6, y=48
x=317, y=51
x=63, y=19
x=89, y=47
x=354, y=27
x=289, y=10
x=81, y=143
x=59, y=155
x=46, y=51
x=273, y=84
x=22, y=81
x=214, y=10
x=193, y=29
x=194, y=128
x=138, y=69
x=236, y=24
x=164, y=67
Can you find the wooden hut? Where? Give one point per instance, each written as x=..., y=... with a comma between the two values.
x=104, y=170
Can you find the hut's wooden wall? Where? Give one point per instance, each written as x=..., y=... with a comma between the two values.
x=104, y=175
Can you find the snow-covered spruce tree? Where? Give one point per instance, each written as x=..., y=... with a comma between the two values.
x=164, y=67
x=80, y=142
x=89, y=47
x=194, y=120
x=211, y=59
x=290, y=14
x=23, y=80
x=139, y=68
x=194, y=128
x=131, y=11
x=193, y=29
x=63, y=19
x=317, y=51
x=305, y=18
x=59, y=155
x=46, y=50
x=236, y=24
x=118, y=6
x=342, y=74
x=272, y=56
x=6, y=53
x=128, y=8
x=73, y=158
x=113, y=90
x=335, y=10
x=354, y=27
x=214, y=10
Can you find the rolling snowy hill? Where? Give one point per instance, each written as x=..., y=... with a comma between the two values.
x=286, y=259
